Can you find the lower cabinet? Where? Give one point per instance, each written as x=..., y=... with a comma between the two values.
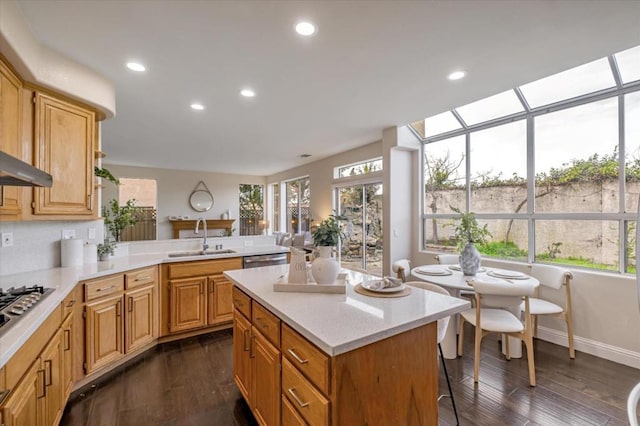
x=265, y=372
x=25, y=405
x=141, y=318
x=188, y=304
x=103, y=328
x=68, y=355
x=241, y=355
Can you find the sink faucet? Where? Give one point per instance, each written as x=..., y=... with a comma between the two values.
x=205, y=246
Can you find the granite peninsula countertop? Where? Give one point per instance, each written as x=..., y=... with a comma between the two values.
x=339, y=323
x=64, y=280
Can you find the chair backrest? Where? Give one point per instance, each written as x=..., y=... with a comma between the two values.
x=550, y=276
x=443, y=323
x=502, y=294
x=448, y=259
x=632, y=405
x=402, y=269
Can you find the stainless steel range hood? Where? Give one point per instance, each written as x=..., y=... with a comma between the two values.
x=14, y=172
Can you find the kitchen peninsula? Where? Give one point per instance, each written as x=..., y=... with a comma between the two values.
x=344, y=358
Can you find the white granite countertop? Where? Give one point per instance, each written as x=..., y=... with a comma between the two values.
x=339, y=323
x=63, y=280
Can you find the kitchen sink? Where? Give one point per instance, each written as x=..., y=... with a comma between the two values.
x=200, y=253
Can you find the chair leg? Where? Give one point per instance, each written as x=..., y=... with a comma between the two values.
x=446, y=374
x=532, y=367
x=535, y=326
x=460, y=334
x=476, y=354
x=572, y=351
x=506, y=347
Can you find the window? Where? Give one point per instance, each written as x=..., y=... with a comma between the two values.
x=441, y=123
x=547, y=180
x=145, y=192
x=363, y=168
x=275, y=210
x=298, y=196
x=251, y=209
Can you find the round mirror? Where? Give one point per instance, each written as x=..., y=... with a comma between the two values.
x=201, y=200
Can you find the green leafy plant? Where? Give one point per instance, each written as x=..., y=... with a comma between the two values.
x=105, y=248
x=468, y=230
x=105, y=174
x=117, y=217
x=328, y=232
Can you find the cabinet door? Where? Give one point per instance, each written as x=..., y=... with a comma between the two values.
x=187, y=304
x=265, y=372
x=103, y=338
x=51, y=359
x=241, y=360
x=64, y=135
x=141, y=312
x=24, y=407
x=10, y=142
x=220, y=308
x=68, y=356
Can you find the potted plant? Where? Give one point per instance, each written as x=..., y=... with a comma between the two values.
x=467, y=233
x=105, y=250
x=326, y=236
x=104, y=173
x=117, y=217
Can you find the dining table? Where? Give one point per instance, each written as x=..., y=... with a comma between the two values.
x=453, y=279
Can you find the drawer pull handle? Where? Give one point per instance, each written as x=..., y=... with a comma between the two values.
x=145, y=278
x=71, y=303
x=292, y=392
x=295, y=355
x=44, y=386
x=67, y=339
x=252, y=345
x=238, y=302
x=244, y=340
x=49, y=363
x=261, y=323
x=106, y=288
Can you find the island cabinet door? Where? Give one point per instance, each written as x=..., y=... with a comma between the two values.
x=266, y=380
x=241, y=359
x=188, y=304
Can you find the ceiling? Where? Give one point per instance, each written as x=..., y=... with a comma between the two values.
x=371, y=65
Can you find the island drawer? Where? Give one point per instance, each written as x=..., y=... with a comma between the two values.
x=140, y=277
x=310, y=403
x=103, y=287
x=242, y=302
x=311, y=361
x=290, y=416
x=266, y=322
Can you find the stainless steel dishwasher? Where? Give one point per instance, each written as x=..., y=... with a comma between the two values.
x=265, y=260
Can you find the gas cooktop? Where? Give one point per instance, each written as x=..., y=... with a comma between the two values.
x=15, y=302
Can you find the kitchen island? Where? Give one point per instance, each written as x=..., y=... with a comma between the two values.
x=336, y=359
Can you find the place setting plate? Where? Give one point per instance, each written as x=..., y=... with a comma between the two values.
x=434, y=270
x=510, y=275
x=374, y=285
x=458, y=268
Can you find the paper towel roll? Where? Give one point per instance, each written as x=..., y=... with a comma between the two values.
x=90, y=253
x=71, y=252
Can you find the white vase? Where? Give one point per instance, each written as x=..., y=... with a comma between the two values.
x=325, y=268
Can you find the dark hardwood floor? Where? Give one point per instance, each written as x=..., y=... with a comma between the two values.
x=190, y=382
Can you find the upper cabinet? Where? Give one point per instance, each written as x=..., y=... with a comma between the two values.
x=10, y=138
x=64, y=135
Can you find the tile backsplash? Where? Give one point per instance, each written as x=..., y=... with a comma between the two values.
x=36, y=245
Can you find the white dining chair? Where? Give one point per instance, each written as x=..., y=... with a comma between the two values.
x=402, y=269
x=447, y=259
x=496, y=303
x=442, y=329
x=632, y=405
x=552, y=278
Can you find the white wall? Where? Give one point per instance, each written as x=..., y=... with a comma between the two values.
x=175, y=187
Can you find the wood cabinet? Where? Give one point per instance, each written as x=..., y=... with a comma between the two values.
x=52, y=364
x=241, y=355
x=68, y=356
x=25, y=405
x=197, y=294
x=121, y=316
x=10, y=137
x=64, y=135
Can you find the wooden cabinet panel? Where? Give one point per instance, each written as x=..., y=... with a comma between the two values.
x=241, y=359
x=265, y=374
x=10, y=140
x=203, y=267
x=101, y=287
x=242, y=302
x=68, y=356
x=220, y=300
x=52, y=360
x=25, y=405
x=312, y=362
x=311, y=404
x=140, y=318
x=141, y=277
x=64, y=139
x=187, y=302
x=266, y=323
x=104, y=340
x=290, y=417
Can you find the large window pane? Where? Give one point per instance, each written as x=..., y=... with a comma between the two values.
x=275, y=218
x=362, y=168
x=509, y=239
x=500, y=105
x=251, y=202
x=298, y=206
x=629, y=64
x=585, y=243
x=587, y=78
x=444, y=175
x=576, y=159
x=632, y=144
x=630, y=249
x=499, y=186
x=441, y=123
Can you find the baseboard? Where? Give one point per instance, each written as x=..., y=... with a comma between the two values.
x=591, y=347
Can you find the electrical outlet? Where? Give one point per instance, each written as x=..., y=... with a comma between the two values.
x=91, y=234
x=7, y=239
x=67, y=234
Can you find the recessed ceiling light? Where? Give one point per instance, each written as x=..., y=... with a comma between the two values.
x=305, y=28
x=197, y=106
x=134, y=66
x=247, y=93
x=456, y=75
